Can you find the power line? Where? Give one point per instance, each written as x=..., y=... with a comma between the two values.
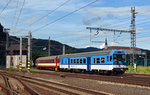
x=49, y=12
x=15, y=14
x=64, y=16
x=19, y=14
x=5, y=7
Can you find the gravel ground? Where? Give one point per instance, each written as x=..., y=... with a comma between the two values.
x=112, y=88
x=42, y=90
x=2, y=80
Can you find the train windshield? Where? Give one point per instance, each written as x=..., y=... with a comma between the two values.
x=119, y=57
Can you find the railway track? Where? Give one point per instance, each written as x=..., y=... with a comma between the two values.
x=33, y=79
x=56, y=86
x=13, y=86
x=133, y=79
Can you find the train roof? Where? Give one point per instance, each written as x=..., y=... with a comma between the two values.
x=95, y=53
x=47, y=57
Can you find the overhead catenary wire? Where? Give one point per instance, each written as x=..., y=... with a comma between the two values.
x=64, y=16
x=50, y=12
x=19, y=15
x=17, y=3
x=5, y=7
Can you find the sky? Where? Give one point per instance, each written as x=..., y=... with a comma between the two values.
x=66, y=21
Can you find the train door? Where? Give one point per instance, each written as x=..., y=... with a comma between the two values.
x=68, y=63
x=88, y=63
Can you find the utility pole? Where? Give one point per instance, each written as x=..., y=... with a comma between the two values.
x=133, y=39
x=63, y=49
x=49, y=47
x=20, y=65
x=7, y=36
x=29, y=51
x=7, y=39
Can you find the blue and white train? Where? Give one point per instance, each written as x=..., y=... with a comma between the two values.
x=109, y=61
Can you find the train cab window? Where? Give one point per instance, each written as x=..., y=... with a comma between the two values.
x=77, y=61
x=84, y=60
x=110, y=58
x=71, y=61
x=102, y=60
x=80, y=61
x=97, y=60
x=123, y=57
x=107, y=58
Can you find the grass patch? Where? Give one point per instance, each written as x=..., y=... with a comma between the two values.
x=24, y=69
x=140, y=69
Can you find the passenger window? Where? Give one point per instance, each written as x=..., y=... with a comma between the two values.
x=102, y=60
x=74, y=60
x=110, y=58
x=84, y=60
x=62, y=61
x=107, y=58
x=98, y=60
x=80, y=61
x=94, y=61
x=77, y=61
x=71, y=61
x=66, y=61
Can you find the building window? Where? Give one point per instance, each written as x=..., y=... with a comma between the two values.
x=102, y=60
x=97, y=60
x=84, y=60
x=80, y=61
